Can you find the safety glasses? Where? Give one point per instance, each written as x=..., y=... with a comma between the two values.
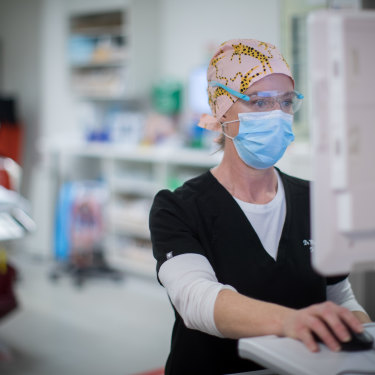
x=262, y=101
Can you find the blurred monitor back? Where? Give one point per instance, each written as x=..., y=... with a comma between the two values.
x=341, y=66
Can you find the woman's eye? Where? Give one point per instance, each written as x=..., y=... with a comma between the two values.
x=287, y=103
x=260, y=103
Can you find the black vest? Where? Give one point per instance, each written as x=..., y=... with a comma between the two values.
x=202, y=217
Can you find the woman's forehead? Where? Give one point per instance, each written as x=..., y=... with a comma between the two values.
x=272, y=82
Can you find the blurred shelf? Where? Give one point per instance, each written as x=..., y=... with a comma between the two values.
x=108, y=22
x=132, y=229
x=133, y=260
x=98, y=49
x=96, y=31
x=133, y=186
x=134, y=174
x=98, y=64
x=151, y=154
x=195, y=157
x=131, y=102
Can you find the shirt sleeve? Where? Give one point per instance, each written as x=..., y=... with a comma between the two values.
x=173, y=227
x=342, y=294
x=192, y=286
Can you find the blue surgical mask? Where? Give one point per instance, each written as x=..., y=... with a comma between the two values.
x=263, y=137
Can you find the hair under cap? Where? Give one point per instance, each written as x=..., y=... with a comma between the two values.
x=237, y=64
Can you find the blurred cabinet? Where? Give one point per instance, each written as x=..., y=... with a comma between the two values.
x=133, y=175
x=111, y=63
x=113, y=48
x=98, y=49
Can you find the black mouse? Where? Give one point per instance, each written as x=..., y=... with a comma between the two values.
x=358, y=341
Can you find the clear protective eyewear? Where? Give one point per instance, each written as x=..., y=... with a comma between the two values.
x=262, y=101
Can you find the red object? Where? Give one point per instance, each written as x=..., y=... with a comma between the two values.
x=11, y=141
x=8, y=301
x=159, y=371
x=5, y=179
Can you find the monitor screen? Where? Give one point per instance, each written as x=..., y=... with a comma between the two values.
x=341, y=57
x=198, y=97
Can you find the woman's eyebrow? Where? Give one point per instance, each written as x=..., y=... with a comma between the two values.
x=270, y=92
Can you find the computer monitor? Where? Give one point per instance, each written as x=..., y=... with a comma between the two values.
x=198, y=98
x=341, y=54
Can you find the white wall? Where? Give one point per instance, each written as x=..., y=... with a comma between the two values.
x=190, y=29
x=56, y=114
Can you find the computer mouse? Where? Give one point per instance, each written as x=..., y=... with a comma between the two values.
x=359, y=341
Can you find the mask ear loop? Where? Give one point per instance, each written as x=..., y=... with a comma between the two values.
x=223, y=130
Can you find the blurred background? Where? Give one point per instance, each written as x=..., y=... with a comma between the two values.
x=99, y=101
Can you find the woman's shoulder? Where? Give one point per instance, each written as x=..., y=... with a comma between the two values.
x=189, y=191
x=196, y=186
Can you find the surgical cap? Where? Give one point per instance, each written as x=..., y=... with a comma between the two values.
x=237, y=64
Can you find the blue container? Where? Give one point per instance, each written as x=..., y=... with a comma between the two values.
x=81, y=49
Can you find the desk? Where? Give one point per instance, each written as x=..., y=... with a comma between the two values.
x=287, y=356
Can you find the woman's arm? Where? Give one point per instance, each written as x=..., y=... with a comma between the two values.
x=342, y=294
x=192, y=287
x=211, y=307
x=238, y=316
x=362, y=317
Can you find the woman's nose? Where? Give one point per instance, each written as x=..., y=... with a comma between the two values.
x=276, y=105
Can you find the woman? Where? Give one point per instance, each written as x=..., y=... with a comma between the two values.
x=231, y=244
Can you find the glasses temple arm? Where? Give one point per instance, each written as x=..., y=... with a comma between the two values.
x=231, y=91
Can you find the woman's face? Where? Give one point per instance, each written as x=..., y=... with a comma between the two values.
x=273, y=82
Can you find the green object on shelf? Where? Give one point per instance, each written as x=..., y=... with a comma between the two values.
x=173, y=183
x=196, y=143
x=167, y=97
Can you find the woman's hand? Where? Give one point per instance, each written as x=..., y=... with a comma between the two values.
x=238, y=316
x=320, y=319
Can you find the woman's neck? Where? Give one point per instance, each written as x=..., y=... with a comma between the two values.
x=251, y=185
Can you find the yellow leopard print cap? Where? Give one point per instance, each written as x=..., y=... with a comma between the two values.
x=237, y=64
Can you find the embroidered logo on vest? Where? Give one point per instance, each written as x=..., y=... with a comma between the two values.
x=309, y=243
